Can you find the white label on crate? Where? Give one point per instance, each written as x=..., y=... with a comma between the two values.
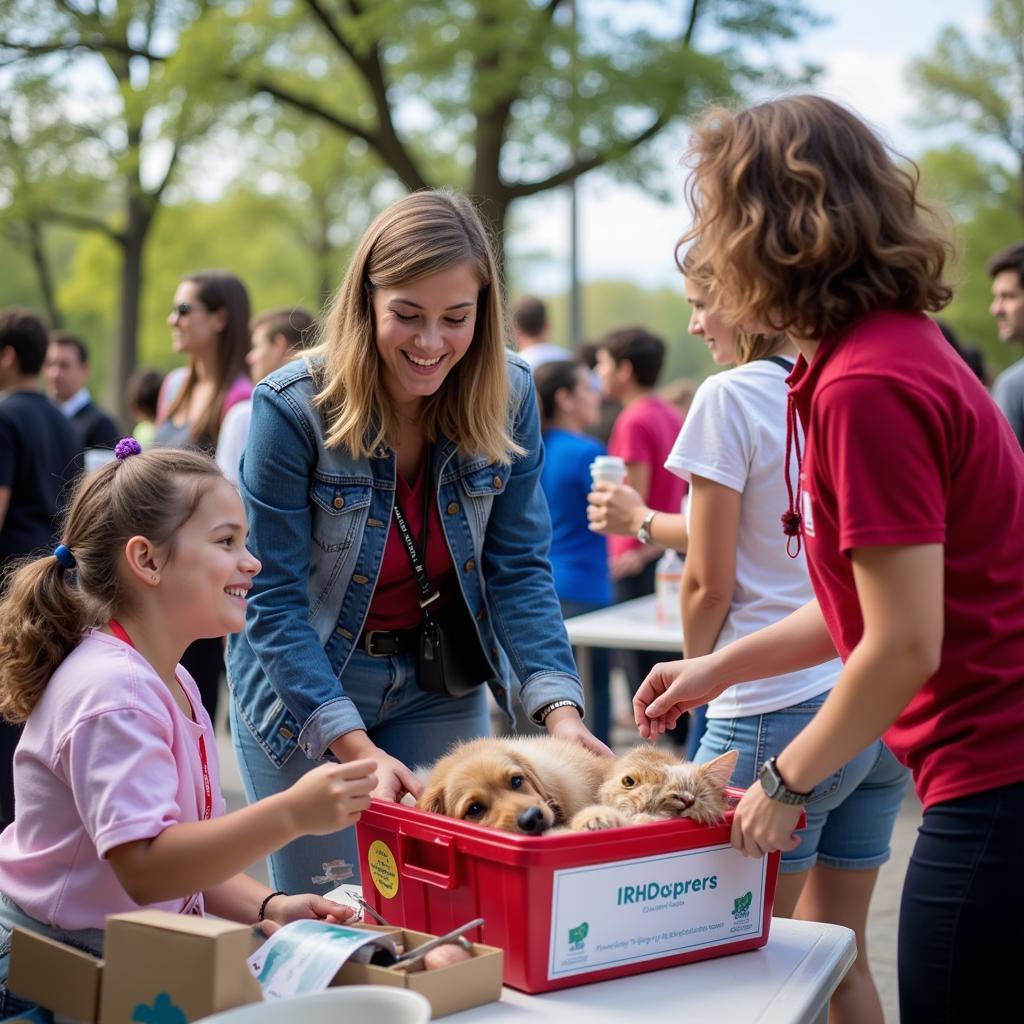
x=607, y=915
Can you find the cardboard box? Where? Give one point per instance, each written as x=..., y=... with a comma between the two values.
x=196, y=966
x=152, y=959
x=36, y=962
x=601, y=904
x=195, y=963
x=449, y=989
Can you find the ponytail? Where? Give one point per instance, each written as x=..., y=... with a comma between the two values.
x=42, y=617
x=51, y=602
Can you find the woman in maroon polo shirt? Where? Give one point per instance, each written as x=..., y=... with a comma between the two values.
x=908, y=497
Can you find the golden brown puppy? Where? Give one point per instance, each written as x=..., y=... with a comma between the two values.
x=517, y=784
x=650, y=784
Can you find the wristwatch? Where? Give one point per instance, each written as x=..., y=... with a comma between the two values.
x=774, y=787
x=540, y=717
x=644, y=533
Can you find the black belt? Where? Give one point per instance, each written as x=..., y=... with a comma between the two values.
x=386, y=643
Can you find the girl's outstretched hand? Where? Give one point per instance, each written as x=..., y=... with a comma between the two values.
x=302, y=907
x=671, y=689
x=331, y=796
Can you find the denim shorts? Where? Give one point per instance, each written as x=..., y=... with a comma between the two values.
x=850, y=815
x=401, y=719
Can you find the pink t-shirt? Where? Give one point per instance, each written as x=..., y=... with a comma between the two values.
x=107, y=757
x=904, y=447
x=644, y=432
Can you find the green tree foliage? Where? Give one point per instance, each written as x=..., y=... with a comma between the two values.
x=276, y=265
x=157, y=61
x=503, y=98
x=976, y=92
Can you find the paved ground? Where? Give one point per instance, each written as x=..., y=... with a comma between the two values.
x=884, y=908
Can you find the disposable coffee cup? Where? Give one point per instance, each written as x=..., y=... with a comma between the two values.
x=609, y=469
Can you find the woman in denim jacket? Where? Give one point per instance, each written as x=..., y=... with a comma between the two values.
x=410, y=388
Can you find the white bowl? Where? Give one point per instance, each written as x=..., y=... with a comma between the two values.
x=377, y=1003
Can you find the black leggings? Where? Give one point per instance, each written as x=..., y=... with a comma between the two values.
x=961, y=938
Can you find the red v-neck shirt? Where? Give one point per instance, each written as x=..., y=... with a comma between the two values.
x=903, y=447
x=396, y=599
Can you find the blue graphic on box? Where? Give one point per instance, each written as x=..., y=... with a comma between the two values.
x=163, y=1011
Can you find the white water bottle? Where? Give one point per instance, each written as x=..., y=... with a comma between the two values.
x=668, y=586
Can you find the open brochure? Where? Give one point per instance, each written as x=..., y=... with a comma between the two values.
x=305, y=955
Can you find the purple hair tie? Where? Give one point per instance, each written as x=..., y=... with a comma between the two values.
x=125, y=447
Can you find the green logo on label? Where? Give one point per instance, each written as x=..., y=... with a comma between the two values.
x=741, y=905
x=577, y=935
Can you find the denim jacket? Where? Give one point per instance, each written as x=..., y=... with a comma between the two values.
x=319, y=520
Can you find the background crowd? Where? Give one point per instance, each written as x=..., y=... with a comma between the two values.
x=408, y=479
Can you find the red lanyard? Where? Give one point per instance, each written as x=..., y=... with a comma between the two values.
x=121, y=633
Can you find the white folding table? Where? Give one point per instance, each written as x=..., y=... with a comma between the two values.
x=788, y=981
x=632, y=625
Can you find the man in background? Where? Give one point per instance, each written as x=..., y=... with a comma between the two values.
x=1006, y=269
x=530, y=323
x=66, y=372
x=40, y=455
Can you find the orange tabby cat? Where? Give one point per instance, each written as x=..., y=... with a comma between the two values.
x=649, y=784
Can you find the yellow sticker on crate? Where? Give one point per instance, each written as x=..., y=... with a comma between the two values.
x=383, y=869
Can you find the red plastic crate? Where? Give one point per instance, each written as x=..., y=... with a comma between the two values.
x=623, y=900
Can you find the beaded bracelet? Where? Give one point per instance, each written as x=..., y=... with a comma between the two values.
x=262, y=915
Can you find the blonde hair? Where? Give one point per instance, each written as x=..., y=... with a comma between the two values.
x=421, y=234
x=807, y=222
x=47, y=608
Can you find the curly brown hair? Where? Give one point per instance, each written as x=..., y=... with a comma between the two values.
x=807, y=221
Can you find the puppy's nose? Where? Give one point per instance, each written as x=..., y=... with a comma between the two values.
x=531, y=821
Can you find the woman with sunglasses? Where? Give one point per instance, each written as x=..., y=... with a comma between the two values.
x=209, y=323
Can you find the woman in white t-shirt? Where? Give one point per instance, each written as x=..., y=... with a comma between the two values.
x=738, y=578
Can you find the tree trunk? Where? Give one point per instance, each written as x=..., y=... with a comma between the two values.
x=122, y=365
x=488, y=190
x=44, y=276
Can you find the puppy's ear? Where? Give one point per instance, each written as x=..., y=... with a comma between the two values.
x=432, y=798
x=527, y=769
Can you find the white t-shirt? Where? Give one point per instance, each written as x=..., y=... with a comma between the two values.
x=735, y=435
x=234, y=432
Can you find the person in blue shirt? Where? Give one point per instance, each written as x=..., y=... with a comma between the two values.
x=570, y=405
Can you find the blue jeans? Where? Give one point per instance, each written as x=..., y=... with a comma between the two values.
x=11, y=917
x=851, y=815
x=599, y=712
x=960, y=941
x=400, y=718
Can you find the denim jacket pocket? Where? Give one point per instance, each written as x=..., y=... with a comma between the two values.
x=486, y=481
x=334, y=502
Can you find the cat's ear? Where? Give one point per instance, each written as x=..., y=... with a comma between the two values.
x=719, y=771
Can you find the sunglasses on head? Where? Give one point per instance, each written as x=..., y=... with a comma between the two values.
x=181, y=309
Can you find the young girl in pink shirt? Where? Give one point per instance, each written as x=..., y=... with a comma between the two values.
x=116, y=780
